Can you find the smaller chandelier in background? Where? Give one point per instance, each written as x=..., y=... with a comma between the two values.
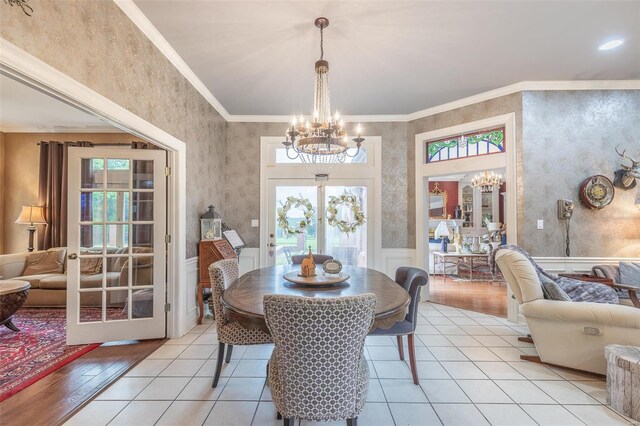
x=486, y=181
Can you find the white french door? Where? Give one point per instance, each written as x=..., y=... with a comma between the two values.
x=116, y=253
x=353, y=248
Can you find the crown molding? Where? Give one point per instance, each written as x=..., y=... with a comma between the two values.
x=287, y=118
x=525, y=86
x=59, y=130
x=148, y=29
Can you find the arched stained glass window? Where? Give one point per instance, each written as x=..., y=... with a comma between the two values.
x=466, y=145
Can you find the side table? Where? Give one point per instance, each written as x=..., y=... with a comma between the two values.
x=623, y=376
x=13, y=293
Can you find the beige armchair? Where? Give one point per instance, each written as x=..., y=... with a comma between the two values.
x=568, y=334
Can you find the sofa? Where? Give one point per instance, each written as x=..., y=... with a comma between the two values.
x=567, y=333
x=46, y=271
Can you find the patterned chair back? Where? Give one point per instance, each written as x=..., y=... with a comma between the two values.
x=412, y=280
x=222, y=274
x=319, y=345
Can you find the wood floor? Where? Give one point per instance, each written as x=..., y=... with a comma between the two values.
x=480, y=296
x=53, y=399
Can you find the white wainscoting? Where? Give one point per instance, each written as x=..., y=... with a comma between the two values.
x=392, y=259
x=191, y=307
x=249, y=260
x=578, y=265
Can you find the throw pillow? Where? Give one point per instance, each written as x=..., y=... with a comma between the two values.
x=90, y=266
x=552, y=291
x=45, y=262
x=630, y=273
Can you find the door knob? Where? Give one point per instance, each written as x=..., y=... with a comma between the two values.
x=72, y=256
x=272, y=245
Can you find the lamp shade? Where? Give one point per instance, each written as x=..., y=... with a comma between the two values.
x=31, y=215
x=442, y=230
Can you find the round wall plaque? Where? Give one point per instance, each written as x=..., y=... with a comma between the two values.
x=596, y=192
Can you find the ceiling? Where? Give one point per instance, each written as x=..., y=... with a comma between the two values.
x=25, y=109
x=392, y=57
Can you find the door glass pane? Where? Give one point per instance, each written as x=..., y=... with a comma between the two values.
x=118, y=237
x=92, y=173
x=116, y=302
x=91, y=271
x=142, y=206
x=90, y=306
x=142, y=306
x=117, y=206
x=296, y=224
x=91, y=238
x=117, y=173
x=117, y=270
x=142, y=270
x=350, y=248
x=143, y=174
x=142, y=236
x=91, y=206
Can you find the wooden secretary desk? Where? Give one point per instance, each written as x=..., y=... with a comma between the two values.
x=210, y=251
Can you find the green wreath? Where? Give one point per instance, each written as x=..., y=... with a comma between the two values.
x=292, y=203
x=350, y=201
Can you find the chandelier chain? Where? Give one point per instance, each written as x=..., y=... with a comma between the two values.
x=321, y=42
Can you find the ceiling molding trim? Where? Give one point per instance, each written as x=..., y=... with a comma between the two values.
x=525, y=86
x=58, y=130
x=152, y=33
x=287, y=118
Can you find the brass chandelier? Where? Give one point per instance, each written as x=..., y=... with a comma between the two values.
x=323, y=142
x=487, y=181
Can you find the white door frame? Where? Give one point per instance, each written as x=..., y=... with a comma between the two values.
x=269, y=169
x=36, y=73
x=424, y=171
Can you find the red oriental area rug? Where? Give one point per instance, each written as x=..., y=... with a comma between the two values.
x=37, y=350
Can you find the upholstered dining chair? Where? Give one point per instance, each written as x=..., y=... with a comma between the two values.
x=412, y=280
x=317, y=370
x=222, y=274
x=318, y=259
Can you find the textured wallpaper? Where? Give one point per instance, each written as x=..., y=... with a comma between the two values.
x=242, y=197
x=95, y=43
x=569, y=136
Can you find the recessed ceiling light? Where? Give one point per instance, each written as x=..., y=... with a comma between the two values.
x=611, y=44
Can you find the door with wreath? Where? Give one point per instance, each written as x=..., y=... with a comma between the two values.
x=330, y=218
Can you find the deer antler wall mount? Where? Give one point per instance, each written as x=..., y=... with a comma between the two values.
x=625, y=178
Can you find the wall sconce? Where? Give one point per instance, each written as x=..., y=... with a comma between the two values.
x=32, y=216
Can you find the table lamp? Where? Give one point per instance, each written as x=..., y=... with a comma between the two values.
x=32, y=216
x=442, y=231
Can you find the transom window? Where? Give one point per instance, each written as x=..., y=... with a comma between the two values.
x=466, y=145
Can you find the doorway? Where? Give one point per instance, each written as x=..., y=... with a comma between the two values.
x=458, y=161
x=282, y=178
x=293, y=202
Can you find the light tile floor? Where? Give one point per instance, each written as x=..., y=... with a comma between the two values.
x=468, y=363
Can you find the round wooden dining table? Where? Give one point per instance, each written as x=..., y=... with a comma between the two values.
x=243, y=299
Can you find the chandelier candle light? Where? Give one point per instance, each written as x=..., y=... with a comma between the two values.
x=487, y=181
x=323, y=142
